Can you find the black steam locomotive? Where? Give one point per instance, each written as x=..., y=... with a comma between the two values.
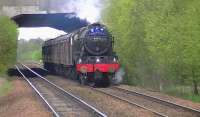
x=86, y=54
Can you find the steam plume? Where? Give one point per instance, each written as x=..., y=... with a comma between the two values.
x=119, y=76
x=85, y=9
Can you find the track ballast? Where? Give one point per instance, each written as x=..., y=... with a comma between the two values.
x=61, y=102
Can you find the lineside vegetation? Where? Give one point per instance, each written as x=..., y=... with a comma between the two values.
x=29, y=50
x=158, y=42
x=8, y=43
x=5, y=87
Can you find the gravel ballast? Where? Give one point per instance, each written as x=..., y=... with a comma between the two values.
x=112, y=107
x=187, y=103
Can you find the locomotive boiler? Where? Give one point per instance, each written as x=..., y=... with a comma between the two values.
x=85, y=54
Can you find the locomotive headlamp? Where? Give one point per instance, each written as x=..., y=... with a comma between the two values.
x=80, y=60
x=114, y=60
x=97, y=60
x=92, y=30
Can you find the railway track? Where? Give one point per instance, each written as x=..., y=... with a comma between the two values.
x=155, y=105
x=59, y=101
x=158, y=106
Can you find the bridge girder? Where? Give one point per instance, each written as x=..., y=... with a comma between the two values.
x=62, y=21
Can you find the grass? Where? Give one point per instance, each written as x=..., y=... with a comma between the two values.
x=5, y=88
x=184, y=92
x=194, y=98
x=180, y=91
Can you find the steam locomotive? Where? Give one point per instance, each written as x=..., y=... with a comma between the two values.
x=85, y=54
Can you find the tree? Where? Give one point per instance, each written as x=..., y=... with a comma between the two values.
x=8, y=43
x=157, y=41
x=30, y=50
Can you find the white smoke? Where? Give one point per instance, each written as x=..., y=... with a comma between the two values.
x=119, y=76
x=85, y=9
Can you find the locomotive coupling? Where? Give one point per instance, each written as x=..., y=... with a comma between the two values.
x=83, y=69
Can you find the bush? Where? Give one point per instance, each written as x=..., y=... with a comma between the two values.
x=8, y=43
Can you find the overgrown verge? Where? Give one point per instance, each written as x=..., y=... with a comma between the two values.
x=185, y=92
x=5, y=86
x=158, y=43
x=8, y=43
x=8, y=53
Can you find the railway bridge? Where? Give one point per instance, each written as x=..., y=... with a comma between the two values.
x=41, y=13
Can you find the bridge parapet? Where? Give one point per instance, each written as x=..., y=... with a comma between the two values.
x=15, y=7
x=12, y=11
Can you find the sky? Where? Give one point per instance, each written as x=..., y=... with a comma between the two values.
x=85, y=9
x=41, y=32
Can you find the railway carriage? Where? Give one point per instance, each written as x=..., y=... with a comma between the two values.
x=85, y=54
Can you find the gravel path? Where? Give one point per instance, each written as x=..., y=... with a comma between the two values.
x=22, y=102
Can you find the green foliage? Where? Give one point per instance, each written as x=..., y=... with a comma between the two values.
x=8, y=43
x=157, y=41
x=5, y=88
x=183, y=92
x=37, y=55
x=195, y=98
x=30, y=50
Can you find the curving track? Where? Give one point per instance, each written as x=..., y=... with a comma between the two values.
x=61, y=102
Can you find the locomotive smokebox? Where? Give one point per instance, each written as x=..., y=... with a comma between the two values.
x=98, y=40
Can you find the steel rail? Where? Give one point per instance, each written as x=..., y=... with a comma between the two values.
x=130, y=102
x=96, y=111
x=159, y=99
x=37, y=91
